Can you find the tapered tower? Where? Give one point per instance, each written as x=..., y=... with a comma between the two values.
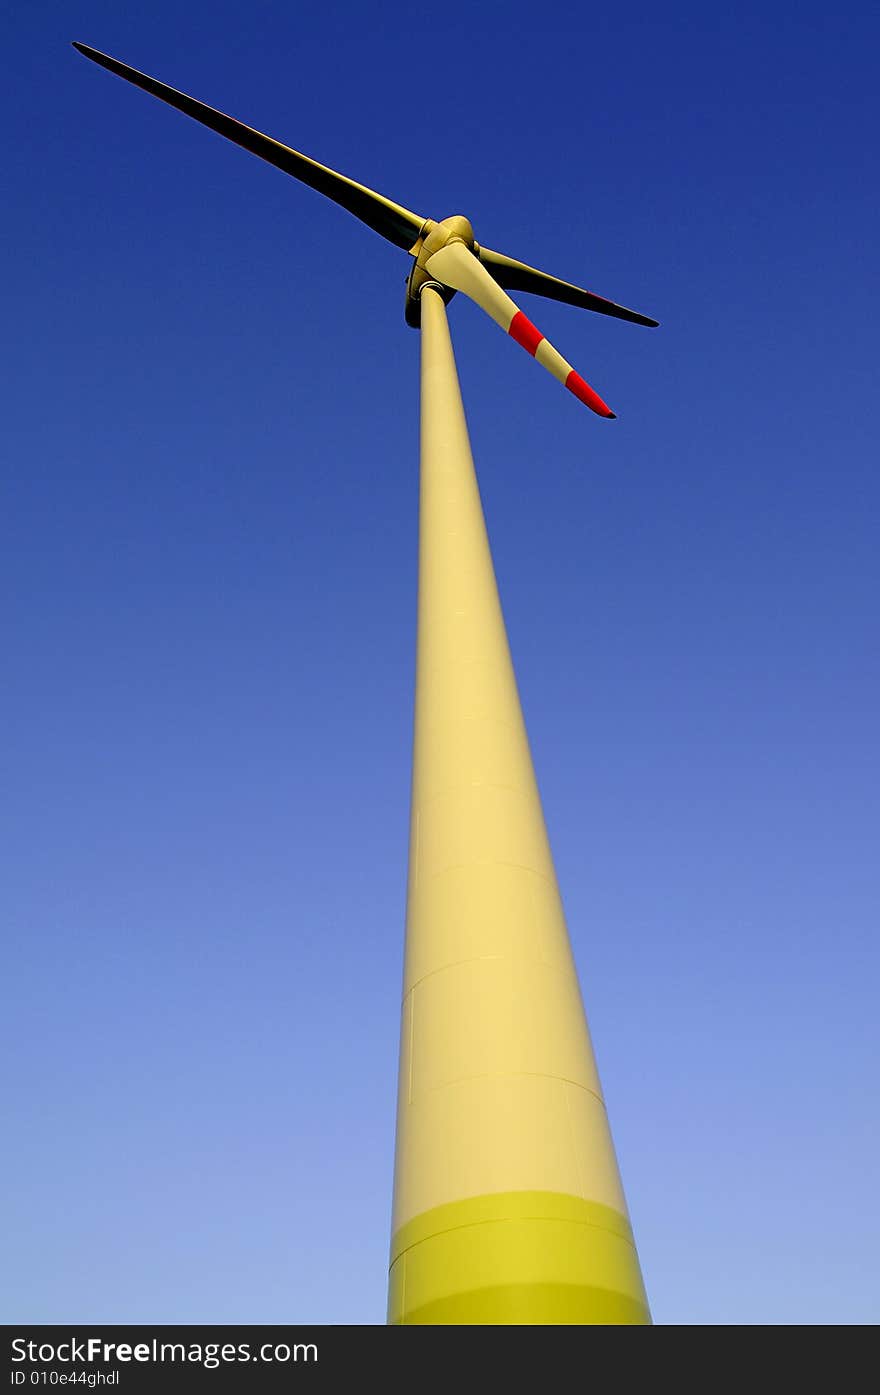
x=508, y=1205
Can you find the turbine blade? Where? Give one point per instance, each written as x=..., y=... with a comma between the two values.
x=458, y=268
x=389, y=219
x=516, y=276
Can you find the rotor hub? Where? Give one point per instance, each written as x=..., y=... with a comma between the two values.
x=458, y=229
x=432, y=237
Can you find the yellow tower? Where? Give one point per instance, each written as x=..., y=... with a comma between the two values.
x=508, y=1205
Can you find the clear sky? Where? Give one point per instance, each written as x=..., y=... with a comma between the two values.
x=208, y=555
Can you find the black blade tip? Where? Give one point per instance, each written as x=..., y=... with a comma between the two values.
x=94, y=53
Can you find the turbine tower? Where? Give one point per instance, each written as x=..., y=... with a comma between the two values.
x=508, y=1205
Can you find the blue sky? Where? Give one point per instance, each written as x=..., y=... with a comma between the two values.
x=208, y=564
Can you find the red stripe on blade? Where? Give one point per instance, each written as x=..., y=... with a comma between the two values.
x=584, y=393
x=524, y=332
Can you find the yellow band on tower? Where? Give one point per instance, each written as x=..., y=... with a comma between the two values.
x=508, y=1206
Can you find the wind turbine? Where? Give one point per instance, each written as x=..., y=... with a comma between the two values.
x=508, y=1205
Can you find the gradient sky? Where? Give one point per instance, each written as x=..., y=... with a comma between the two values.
x=208, y=554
